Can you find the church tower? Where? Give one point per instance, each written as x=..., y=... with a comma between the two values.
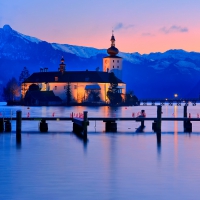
x=113, y=63
x=62, y=65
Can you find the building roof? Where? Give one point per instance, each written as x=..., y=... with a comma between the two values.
x=112, y=57
x=70, y=76
x=92, y=87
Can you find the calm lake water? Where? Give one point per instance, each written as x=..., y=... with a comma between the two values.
x=122, y=165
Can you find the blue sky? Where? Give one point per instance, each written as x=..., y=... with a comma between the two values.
x=140, y=26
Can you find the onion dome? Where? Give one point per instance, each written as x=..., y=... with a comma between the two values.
x=112, y=50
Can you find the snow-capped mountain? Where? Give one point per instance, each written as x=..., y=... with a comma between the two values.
x=148, y=75
x=84, y=52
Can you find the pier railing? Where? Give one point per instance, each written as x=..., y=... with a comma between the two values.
x=80, y=124
x=170, y=102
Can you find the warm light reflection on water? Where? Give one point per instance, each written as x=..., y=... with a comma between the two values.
x=123, y=165
x=175, y=138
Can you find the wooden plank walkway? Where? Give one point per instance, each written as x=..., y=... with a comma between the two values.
x=105, y=119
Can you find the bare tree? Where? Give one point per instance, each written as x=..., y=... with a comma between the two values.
x=12, y=90
x=23, y=76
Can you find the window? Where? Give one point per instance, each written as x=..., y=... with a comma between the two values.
x=64, y=87
x=56, y=78
x=55, y=87
x=113, y=67
x=75, y=87
x=117, y=66
x=113, y=61
x=118, y=61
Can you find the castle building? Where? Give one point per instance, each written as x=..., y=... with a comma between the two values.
x=82, y=83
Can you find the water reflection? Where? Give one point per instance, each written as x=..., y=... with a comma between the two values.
x=158, y=136
x=84, y=141
x=113, y=162
x=111, y=111
x=117, y=166
x=18, y=141
x=175, y=137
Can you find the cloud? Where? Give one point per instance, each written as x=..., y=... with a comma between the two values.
x=120, y=26
x=173, y=29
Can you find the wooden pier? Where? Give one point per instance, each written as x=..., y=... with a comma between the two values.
x=170, y=102
x=80, y=124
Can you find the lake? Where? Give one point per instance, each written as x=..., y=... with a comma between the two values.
x=122, y=165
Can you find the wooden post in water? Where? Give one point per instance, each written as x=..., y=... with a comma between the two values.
x=187, y=125
x=1, y=125
x=185, y=116
x=18, y=126
x=158, y=124
x=142, y=115
x=18, y=121
x=159, y=116
x=85, y=119
x=158, y=135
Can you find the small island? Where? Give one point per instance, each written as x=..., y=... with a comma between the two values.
x=69, y=88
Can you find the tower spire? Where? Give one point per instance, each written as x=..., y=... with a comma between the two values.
x=112, y=50
x=112, y=39
x=62, y=65
x=113, y=63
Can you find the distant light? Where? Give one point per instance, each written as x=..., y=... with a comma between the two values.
x=175, y=95
x=166, y=99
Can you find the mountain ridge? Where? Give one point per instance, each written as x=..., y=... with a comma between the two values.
x=155, y=74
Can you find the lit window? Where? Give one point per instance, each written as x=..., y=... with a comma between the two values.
x=55, y=87
x=56, y=78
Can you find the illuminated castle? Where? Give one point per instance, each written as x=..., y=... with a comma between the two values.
x=82, y=83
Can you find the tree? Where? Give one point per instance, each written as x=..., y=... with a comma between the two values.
x=131, y=99
x=33, y=87
x=113, y=92
x=93, y=96
x=22, y=77
x=12, y=90
x=68, y=93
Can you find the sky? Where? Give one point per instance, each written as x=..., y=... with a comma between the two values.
x=139, y=26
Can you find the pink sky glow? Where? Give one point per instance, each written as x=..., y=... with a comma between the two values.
x=139, y=26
